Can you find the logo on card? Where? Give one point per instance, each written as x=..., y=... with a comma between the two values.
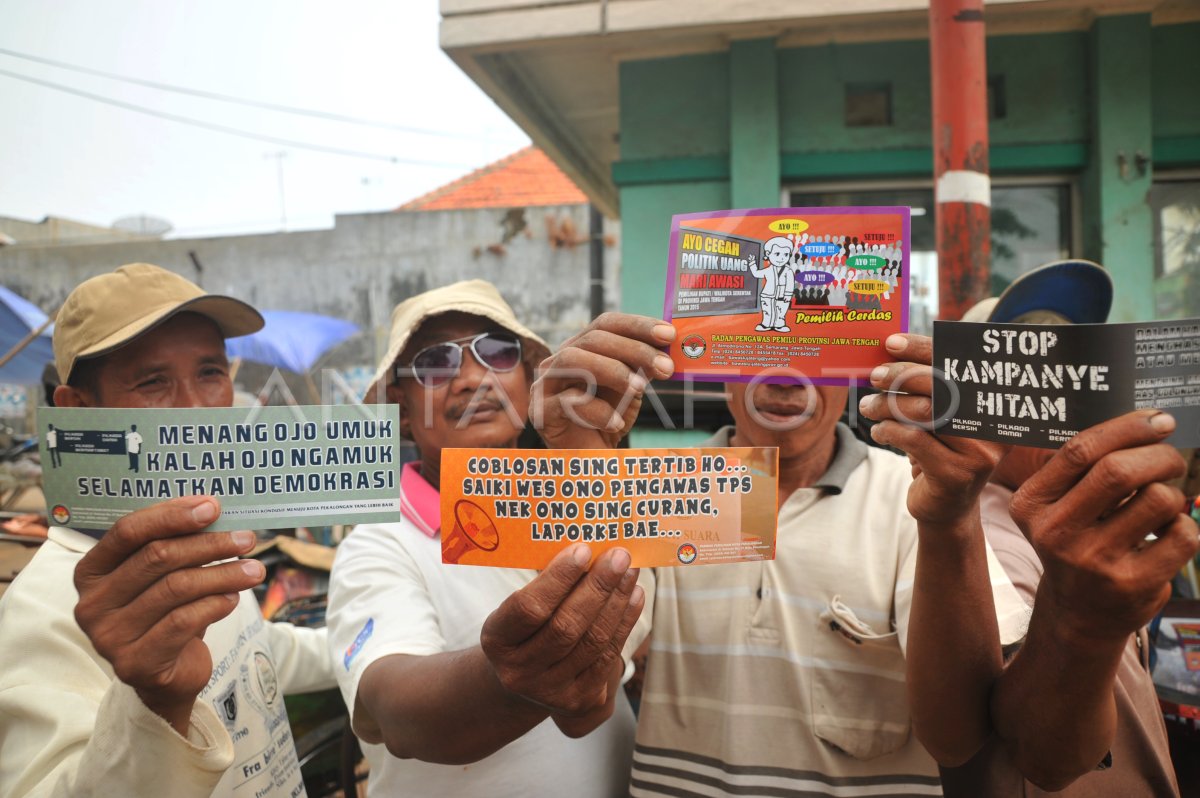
x=687, y=554
x=359, y=642
x=693, y=346
x=61, y=514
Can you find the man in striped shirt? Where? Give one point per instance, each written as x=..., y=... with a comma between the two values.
x=788, y=677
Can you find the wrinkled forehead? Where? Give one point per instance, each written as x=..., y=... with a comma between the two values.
x=1041, y=317
x=179, y=338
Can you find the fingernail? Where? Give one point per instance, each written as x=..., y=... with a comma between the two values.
x=204, y=513
x=664, y=332
x=1162, y=423
x=895, y=343
x=253, y=568
x=637, y=595
x=637, y=383
x=878, y=373
x=582, y=555
x=232, y=597
x=243, y=538
x=616, y=422
x=664, y=366
x=620, y=561
x=864, y=404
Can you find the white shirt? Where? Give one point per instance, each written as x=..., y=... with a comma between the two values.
x=389, y=594
x=133, y=440
x=52, y=439
x=779, y=282
x=69, y=729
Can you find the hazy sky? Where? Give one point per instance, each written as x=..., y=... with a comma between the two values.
x=65, y=155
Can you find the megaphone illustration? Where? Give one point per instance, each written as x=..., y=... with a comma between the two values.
x=473, y=529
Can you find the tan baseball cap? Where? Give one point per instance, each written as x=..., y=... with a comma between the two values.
x=477, y=297
x=108, y=311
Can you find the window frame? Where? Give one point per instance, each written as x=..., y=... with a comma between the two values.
x=1071, y=181
x=1166, y=176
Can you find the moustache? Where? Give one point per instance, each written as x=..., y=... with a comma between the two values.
x=489, y=401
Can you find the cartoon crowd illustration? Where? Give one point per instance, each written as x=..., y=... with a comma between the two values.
x=809, y=271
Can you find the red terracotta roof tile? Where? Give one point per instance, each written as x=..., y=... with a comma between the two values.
x=527, y=177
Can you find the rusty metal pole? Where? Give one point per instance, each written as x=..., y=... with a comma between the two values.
x=960, y=153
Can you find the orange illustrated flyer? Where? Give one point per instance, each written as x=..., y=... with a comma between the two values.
x=517, y=508
x=787, y=294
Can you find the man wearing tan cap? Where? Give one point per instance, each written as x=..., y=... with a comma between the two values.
x=445, y=665
x=145, y=674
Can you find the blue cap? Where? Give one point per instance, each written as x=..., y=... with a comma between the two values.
x=1079, y=290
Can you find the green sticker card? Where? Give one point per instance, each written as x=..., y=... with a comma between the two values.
x=270, y=467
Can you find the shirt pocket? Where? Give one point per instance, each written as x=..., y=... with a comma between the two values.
x=859, y=700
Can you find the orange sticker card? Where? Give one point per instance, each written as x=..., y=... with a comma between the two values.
x=517, y=508
x=787, y=294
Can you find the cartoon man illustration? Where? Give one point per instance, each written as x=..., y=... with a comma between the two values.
x=779, y=279
x=133, y=445
x=52, y=445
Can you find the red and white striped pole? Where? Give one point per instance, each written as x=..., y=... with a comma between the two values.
x=962, y=187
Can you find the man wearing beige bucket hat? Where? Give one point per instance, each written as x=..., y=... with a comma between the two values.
x=447, y=665
x=132, y=679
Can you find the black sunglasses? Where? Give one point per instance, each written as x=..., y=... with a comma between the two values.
x=436, y=365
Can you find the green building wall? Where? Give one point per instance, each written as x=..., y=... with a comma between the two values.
x=729, y=129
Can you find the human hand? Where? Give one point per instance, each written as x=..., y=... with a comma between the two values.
x=145, y=601
x=588, y=394
x=575, y=726
x=557, y=642
x=948, y=472
x=1088, y=513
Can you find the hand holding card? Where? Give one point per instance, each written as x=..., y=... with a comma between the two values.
x=1040, y=384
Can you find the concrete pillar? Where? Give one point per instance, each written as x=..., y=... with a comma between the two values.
x=754, y=124
x=1118, y=227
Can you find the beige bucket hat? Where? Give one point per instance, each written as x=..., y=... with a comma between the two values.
x=110, y=310
x=477, y=297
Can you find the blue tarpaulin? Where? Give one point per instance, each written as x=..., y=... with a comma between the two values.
x=292, y=341
x=19, y=317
